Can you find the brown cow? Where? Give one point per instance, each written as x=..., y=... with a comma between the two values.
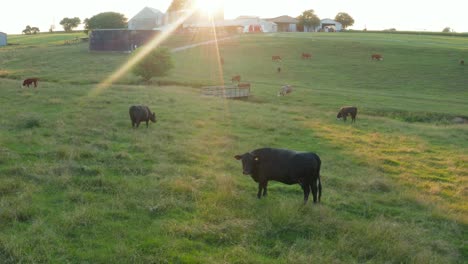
x=347, y=110
x=286, y=89
x=306, y=56
x=376, y=57
x=275, y=58
x=31, y=81
x=462, y=62
x=243, y=85
x=236, y=78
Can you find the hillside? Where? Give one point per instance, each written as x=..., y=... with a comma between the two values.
x=78, y=184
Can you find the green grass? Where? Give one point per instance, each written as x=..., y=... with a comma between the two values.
x=78, y=184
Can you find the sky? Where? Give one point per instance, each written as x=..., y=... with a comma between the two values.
x=419, y=15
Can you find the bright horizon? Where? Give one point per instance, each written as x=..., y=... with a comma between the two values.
x=416, y=15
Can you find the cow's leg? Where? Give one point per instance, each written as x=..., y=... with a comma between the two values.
x=265, y=189
x=313, y=186
x=147, y=123
x=259, y=193
x=138, y=123
x=306, y=189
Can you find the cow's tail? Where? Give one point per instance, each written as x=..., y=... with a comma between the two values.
x=318, y=180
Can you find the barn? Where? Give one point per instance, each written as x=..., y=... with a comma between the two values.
x=285, y=23
x=147, y=19
x=3, y=39
x=119, y=40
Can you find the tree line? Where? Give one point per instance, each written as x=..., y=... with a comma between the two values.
x=308, y=20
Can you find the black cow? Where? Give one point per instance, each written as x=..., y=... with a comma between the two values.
x=139, y=113
x=347, y=110
x=286, y=166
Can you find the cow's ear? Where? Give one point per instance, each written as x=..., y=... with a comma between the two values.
x=238, y=157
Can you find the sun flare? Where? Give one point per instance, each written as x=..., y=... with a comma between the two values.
x=209, y=6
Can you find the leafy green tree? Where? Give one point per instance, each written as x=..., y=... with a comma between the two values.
x=308, y=20
x=345, y=19
x=446, y=30
x=70, y=23
x=35, y=30
x=106, y=20
x=157, y=63
x=27, y=30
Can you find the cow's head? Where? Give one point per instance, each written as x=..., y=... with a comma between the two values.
x=249, y=161
x=339, y=115
x=153, y=117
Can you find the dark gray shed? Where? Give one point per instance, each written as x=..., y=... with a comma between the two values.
x=3, y=39
x=120, y=40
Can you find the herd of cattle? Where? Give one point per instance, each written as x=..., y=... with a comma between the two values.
x=266, y=164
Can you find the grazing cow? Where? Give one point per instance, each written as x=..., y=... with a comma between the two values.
x=347, y=110
x=306, y=56
x=140, y=113
x=278, y=70
x=30, y=81
x=243, y=85
x=462, y=62
x=275, y=58
x=236, y=78
x=286, y=166
x=376, y=57
x=286, y=89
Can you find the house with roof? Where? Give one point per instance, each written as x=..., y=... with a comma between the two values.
x=285, y=23
x=147, y=19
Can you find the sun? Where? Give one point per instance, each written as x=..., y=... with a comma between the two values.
x=209, y=6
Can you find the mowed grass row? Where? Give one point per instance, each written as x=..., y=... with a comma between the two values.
x=78, y=184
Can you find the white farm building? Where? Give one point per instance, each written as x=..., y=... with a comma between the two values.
x=147, y=19
x=329, y=25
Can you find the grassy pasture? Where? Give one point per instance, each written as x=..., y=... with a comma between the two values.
x=77, y=184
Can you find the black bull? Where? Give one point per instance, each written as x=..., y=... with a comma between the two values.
x=286, y=166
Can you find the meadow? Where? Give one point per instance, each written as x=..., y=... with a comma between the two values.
x=79, y=185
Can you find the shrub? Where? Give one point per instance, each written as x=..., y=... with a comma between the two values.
x=157, y=63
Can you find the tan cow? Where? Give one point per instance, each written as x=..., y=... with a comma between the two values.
x=275, y=58
x=286, y=89
x=236, y=78
x=376, y=57
x=306, y=56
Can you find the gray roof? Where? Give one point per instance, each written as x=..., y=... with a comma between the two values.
x=284, y=19
x=147, y=12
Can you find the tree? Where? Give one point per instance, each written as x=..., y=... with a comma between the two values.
x=308, y=20
x=157, y=63
x=177, y=5
x=27, y=30
x=106, y=20
x=446, y=30
x=345, y=19
x=35, y=30
x=70, y=23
